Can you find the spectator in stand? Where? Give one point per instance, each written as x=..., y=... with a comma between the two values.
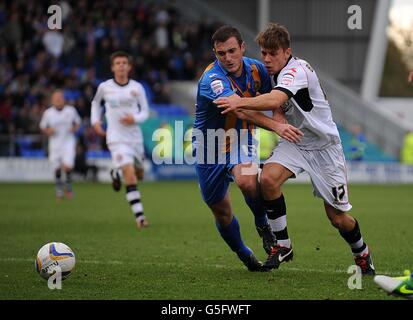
x=357, y=144
x=35, y=60
x=84, y=39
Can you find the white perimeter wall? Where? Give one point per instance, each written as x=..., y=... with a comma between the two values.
x=38, y=170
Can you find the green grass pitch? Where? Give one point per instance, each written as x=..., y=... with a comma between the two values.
x=181, y=255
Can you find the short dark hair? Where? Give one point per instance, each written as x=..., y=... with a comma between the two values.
x=122, y=54
x=56, y=90
x=275, y=36
x=224, y=33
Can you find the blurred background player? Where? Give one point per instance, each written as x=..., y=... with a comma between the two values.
x=232, y=74
x=59, y=123
x=126, y=107
x=299, y=94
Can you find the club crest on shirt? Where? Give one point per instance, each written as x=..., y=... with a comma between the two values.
x=119, y=157
x=134, y=93
x=217, y=86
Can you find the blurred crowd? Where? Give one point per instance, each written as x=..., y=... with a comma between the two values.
x=34, y=59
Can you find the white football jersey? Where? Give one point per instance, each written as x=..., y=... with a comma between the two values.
x=308, y=108
x=62, y=123
x=121, y=100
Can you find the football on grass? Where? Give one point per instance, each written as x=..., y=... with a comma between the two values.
x=55, y=257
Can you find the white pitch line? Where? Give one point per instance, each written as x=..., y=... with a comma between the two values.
x=78, y=261
x=101, y=262
x=217, y=266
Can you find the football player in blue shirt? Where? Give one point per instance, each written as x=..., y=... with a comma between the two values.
x=224, y=145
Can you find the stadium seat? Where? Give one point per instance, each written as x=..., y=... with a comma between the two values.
x=373, y=153
x=33, y=153
x=93, y=154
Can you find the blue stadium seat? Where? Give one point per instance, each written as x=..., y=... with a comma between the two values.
x=24, y=142
x=72, y=94
x=169, y=110
x=148, y=90
x=372, y=152
x=93, y=154
x=33, y=153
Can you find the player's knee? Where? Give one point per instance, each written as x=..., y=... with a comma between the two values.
x=269, y=182
x=130, y=179
x=223, y=215
x=248, y=186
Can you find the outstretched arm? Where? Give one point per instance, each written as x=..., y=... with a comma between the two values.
x=284, y=130
x=268, y=101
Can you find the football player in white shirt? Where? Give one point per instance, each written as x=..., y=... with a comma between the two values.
x=59, y=123
x=298, y=93
x=126, y=107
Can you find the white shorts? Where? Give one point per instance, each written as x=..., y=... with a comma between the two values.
x=127, y=153
x=326, y=168
x=62, y=157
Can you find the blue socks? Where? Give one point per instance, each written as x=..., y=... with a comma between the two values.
x=255, y=204
x=232, y=236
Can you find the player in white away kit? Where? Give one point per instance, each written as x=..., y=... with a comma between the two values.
x=298, y=93
x=126, y=107
x=59, y=123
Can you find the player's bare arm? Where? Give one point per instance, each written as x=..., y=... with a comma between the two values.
x=279, y=116
x=268, y=101
x=284, y=130
x=99, y=130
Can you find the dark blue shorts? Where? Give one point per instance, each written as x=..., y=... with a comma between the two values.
x=214, y=180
